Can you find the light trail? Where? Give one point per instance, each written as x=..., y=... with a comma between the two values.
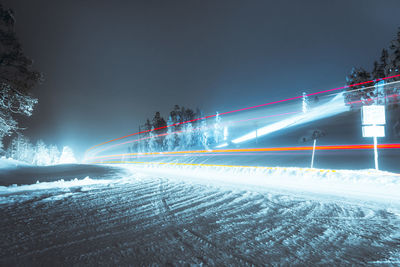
x=269, y=149
x=325, y=110
x=331, y=108
x=386, y=86
x=242, y=109
x=288, y=113
x=371, y=99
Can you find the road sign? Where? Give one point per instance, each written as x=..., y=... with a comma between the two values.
x=374, y=114
x=373, y=131
x=370, y=117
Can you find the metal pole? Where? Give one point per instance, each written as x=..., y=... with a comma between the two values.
x=376, y=152
x=313, y=152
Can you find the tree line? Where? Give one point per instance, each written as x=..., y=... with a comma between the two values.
x=155, y=136
x=20, y=148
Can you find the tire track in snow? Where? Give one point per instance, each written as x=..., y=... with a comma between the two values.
x=165, y=221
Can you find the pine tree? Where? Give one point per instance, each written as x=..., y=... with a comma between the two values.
x=42, y=156
x=16, y=77
x=148, y=125
x=170, y=138
x=189, y=114
x=204, y=134
x=383, y=60
x=175, y=114
x=218, y=130
x=378, y=71
x=360, y=93
x=393, y=67
x=187, y=136
x=152, y=144
x=54, y=154
x=159, y=122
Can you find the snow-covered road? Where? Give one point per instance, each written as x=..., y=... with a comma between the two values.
x=143, y=220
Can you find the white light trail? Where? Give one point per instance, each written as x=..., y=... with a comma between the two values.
x=333, y=107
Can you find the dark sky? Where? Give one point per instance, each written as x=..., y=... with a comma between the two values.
x=111, y=64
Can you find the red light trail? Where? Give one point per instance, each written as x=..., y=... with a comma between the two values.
x=372, y=99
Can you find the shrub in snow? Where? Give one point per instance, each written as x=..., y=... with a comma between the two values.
x=170, y=138
x=67, y=156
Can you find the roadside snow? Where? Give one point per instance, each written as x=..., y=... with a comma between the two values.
x=87, y=181
x=202, y=215
x=8, y=163
x=369, y=185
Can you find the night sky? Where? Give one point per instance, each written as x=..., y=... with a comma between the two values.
x=111, y=64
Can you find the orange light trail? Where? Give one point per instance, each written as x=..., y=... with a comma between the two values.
x=269, y=149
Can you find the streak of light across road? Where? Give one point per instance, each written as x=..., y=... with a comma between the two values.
x=247, y=108
x=270, y=116
x=239, y=150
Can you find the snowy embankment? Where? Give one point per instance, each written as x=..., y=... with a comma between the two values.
x=369, y=185
x=163, y=214
x=15, y=173
x=7, y=163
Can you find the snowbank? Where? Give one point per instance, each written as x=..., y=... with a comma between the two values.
x=22, y=174
x=8, y=163
x=370, y=185
x=87, y=181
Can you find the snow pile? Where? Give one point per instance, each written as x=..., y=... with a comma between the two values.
x=87, y=181
x=364, y=184
x=39, y=154
x=7, y=163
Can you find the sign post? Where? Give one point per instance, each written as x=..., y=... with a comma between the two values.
x=313, y=153
x=373, y=121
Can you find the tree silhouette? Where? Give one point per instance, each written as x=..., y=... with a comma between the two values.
x=16, y=76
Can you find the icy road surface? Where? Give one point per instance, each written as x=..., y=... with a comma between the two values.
x=143, y=220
